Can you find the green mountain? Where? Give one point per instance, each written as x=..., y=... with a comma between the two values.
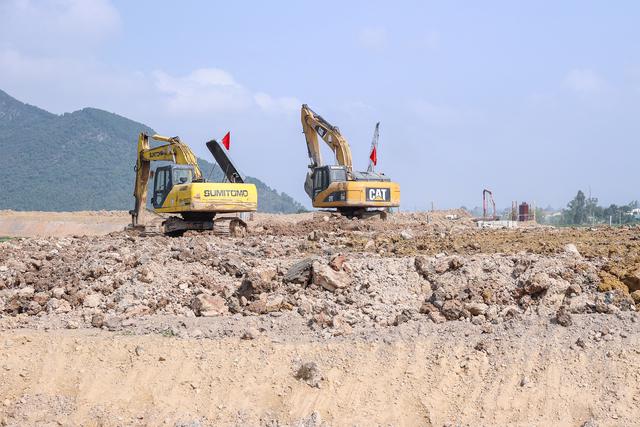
x=81, y=161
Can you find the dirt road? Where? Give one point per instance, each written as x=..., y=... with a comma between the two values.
x=33, y=224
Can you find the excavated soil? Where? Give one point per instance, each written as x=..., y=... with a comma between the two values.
x=315, y=319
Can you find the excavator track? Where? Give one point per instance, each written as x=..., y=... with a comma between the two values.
x=176, y=227
x=362, y=213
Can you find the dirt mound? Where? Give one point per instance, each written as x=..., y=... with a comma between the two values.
x=101, y=281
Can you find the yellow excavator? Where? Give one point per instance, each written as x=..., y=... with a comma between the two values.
x=353, y=194
x=180, y=188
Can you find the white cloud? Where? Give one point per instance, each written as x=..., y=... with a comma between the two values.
x=56, y=25
x=283, y=104
x=61, y=84
x=205, y=90
x=584, y=81
x=373, y=38
x=212, y=90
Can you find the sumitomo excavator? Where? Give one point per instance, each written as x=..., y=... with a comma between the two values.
x=180, y=188
x=353, y=194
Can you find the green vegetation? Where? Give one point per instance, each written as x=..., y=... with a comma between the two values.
x=80, y=161
x=4, y=239
x=582, y=210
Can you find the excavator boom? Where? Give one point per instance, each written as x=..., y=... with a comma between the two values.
x=314, y=125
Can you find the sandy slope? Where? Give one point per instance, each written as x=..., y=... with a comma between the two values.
x=422, y=374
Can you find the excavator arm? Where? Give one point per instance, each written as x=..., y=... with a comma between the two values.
x=314, y=125
x=175, y=151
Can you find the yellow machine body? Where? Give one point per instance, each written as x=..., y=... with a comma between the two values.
x=359, y=194
x=216, y=197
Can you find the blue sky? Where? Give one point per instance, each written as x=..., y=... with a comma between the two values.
x=533, y=100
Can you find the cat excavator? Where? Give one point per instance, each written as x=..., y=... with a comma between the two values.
x=352, y=193
x=180, y=188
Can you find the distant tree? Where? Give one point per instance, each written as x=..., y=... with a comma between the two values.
x=576, y=210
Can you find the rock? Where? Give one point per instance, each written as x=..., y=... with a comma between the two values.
x=267, y=275
x=401, y=318
x=436, y=317
x=476, y=308
x=492, y=313
x=309, y=373
x=571, y=249
x=313, y=420
x=72, y=324
x=250, y=333
x=57, y=293
x=258, y=306
x=428, y=307
x=113, y=323
x=337, y=262
x=406, y=235
x=563, y=318
x=456, y=263
x=92, y=300
x=538, y=283
x=632, y=280
x=340, y=326
x=209, y=305
x=97, y=320
x=300, y=272
x=635, y=296
x=233, y=265
x=370, y=245
x=252, y=285
x=139, y=350
x=453, y=310
x=26, y=292
x=580, y=303
x=274, y=303
x=423, y=266
x=325, y=276
x=145, y=275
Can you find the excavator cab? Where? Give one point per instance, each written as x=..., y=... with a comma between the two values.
x=321, y=177
x=166, y=177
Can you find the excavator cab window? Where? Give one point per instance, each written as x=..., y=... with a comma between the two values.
x=320, y=180
x=338, y=175
x=161, y=185
x=325, y=175
x=182, y=176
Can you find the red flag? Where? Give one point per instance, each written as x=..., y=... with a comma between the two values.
x=374, y=156
x=226, y=141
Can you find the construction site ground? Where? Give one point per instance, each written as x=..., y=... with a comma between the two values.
x=314, y=319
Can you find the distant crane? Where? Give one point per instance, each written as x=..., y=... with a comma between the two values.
x=486, y=199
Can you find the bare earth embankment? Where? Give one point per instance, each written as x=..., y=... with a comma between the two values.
x=318, y=320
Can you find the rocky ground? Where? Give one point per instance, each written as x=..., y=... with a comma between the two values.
x=314, y=319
